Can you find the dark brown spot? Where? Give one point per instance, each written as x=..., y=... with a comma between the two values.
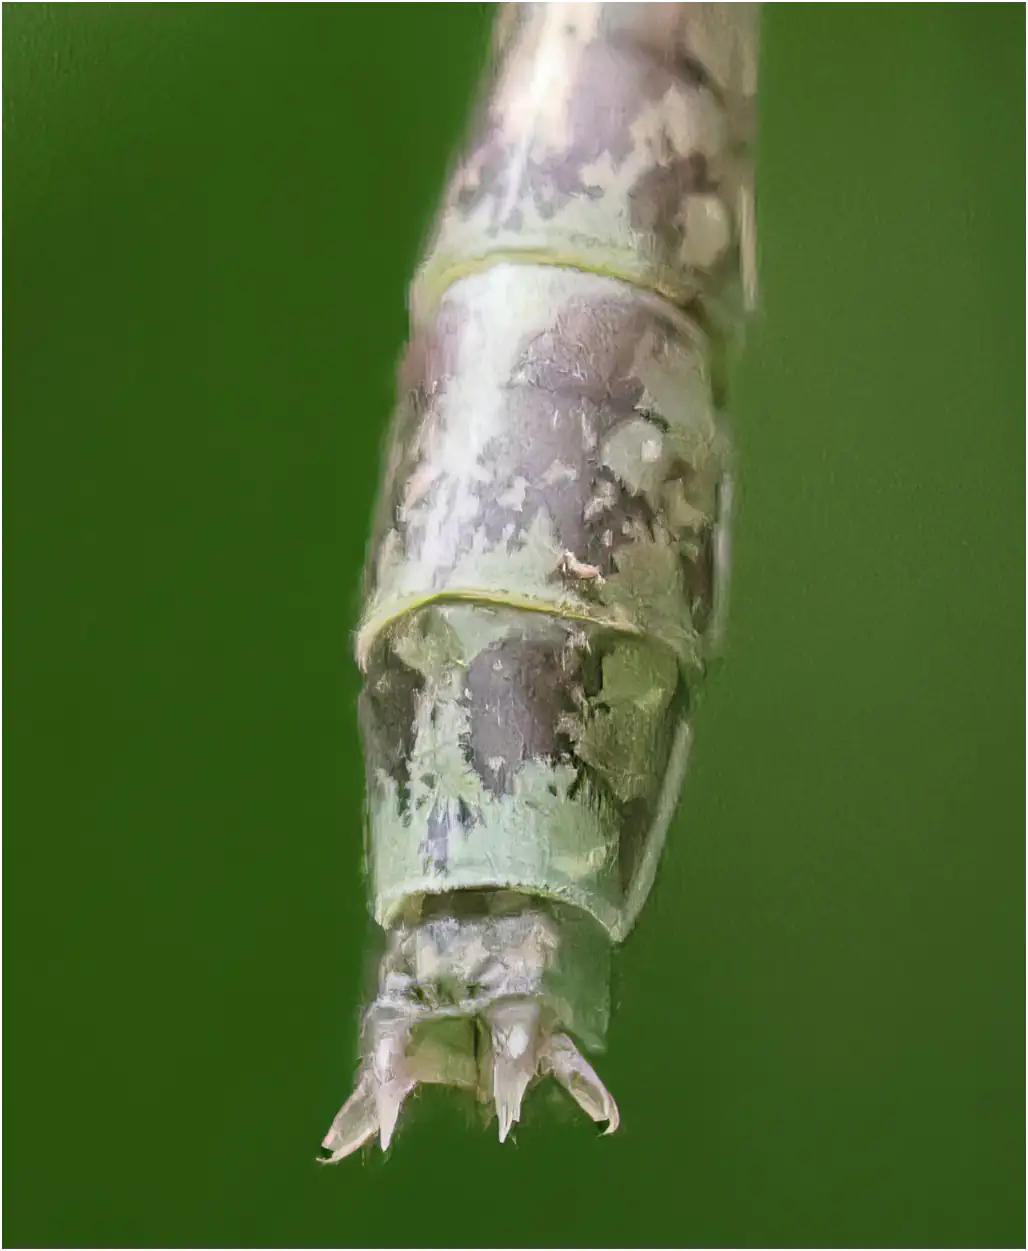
x=519, y=691
x=386, y=709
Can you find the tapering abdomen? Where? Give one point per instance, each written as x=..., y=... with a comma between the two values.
x=545, y=573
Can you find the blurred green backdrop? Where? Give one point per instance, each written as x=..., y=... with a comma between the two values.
x=212, y=213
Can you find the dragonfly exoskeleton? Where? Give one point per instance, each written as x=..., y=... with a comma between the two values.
x=546, y=575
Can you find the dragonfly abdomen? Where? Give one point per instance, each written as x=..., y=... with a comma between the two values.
x=543, y=581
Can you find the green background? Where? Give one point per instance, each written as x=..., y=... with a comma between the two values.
x=211, y=215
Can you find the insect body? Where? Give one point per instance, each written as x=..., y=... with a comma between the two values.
x=546, y=574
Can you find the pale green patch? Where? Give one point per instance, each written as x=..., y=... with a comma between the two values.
x=679, y=390
x=438, y=768
x=477, y=626
x=708, y=231
x=439, y=636
x=426, y=642
x=635, y=453
x=648, y=590
x=680, y=512
x=635, y=673
x=620, y=735
x=527, y=568
x=537, y=839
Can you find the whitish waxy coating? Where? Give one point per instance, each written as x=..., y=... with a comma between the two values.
x=545, y=578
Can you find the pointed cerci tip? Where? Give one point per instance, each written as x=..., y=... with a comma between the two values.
x=495, y=1045
x=356, y=1122
x=374, y=1107
x=391, y=1083
x=515, y=1037
x=578, y=1077
x=509, y=1087
x=519, y=1051
x=388, y=1101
